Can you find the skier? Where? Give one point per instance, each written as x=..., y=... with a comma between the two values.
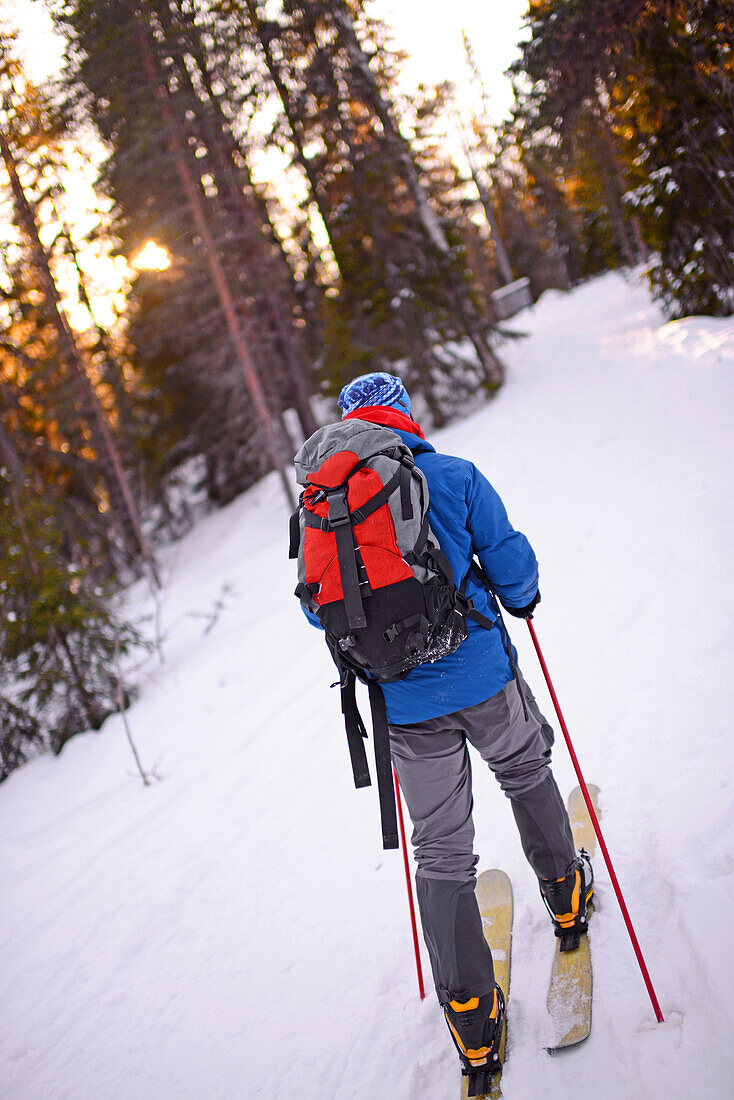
x=475, y=694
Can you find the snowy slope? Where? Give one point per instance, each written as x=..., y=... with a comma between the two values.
x=236, y=931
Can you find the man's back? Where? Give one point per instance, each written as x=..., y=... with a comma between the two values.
x=469, y=519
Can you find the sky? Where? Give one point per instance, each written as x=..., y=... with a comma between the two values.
x=431, y=31
x=39, y=48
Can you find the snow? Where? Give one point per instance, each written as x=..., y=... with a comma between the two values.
x=235, y=930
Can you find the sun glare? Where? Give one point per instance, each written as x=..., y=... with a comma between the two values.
x=151, y=257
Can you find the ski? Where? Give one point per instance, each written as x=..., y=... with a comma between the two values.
x=494, y=897
x=569, y=994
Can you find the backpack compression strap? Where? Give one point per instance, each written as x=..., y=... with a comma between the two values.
x=383, y=766
x=356, y=732
x=341, y=525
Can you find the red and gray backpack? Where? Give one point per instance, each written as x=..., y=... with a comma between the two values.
x=372, y=572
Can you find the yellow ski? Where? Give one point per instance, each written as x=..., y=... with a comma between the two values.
x=494, y=897
x=569, y=995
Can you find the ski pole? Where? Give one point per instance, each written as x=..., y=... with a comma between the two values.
x=597, y=830
x=408, y=883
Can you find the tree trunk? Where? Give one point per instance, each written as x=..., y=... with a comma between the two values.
x=430, y=221
x=276, y=436
x=619, y=176
x=112, y=374
x=383, y=110
x=559, y=220
x=124, y=507
x=291, y=114
x=503, y=260
x=224, y=150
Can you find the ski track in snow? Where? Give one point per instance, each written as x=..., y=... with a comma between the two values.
x=235, y=930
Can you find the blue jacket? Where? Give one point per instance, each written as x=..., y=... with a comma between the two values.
x=469, y=520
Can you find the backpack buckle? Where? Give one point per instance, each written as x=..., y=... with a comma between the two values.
x=338, y=509
x=464, y=602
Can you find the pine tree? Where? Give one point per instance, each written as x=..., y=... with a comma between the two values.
x=562, y=103
x=518, y=238
x=216, y=336
x=642, y=94
x=400, y=289
x=59, y=639
x=683, y=109
x=59, y=529
x=28, y=123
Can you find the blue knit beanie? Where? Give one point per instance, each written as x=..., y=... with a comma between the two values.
x=378, y=388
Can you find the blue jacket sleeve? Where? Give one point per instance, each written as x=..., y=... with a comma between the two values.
x=505, y=554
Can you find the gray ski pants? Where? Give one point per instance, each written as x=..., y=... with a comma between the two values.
x=433, y=766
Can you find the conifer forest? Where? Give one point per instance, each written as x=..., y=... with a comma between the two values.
x=218, y=212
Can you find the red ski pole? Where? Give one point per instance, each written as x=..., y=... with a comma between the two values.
x=597, y=830
x=408, y=883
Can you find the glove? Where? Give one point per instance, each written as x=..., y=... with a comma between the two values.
x=524, y=612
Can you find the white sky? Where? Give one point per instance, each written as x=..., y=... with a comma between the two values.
x=431, y=32
x=40, y=49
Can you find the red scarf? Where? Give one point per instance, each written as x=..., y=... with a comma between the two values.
x=388, y=417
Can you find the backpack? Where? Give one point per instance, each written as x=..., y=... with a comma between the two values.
x=370, y=569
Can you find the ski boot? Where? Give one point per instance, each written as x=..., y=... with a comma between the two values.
x=568, y=900
x=476, y=1027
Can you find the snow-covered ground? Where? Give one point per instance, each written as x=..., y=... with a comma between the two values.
x=236, y=931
